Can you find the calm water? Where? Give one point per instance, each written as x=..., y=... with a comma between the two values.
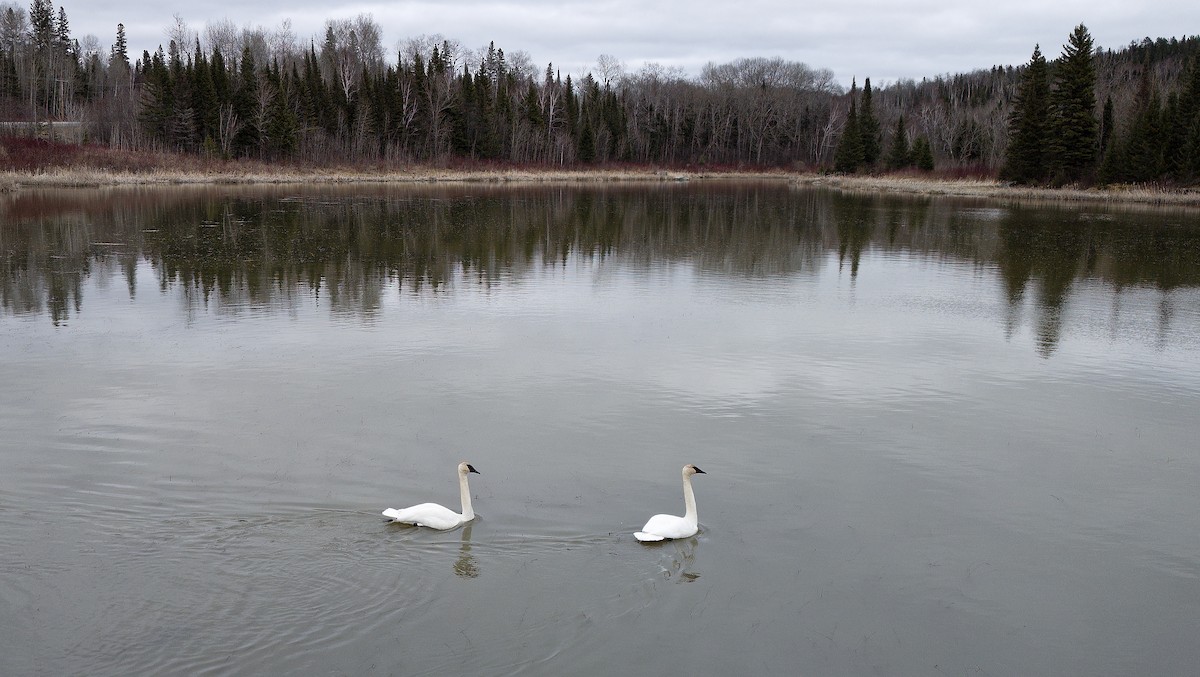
x=942, y=437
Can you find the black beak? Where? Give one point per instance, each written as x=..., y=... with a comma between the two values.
x=471, y=468
x=699, y=471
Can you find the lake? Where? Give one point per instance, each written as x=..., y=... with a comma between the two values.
x=941, y=436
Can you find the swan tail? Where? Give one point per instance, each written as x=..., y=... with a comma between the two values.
x=647, y=538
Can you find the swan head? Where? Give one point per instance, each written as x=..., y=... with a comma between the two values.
x=689, y=470
x=464, y=468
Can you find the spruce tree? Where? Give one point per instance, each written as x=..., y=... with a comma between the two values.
x=1143, y=153
x=282, y=128
x=1075, y=129
x=1028, y=125
x=1188, y=162
x=923, y=154
x=899, y=153
x=157, y=101
x=245, y=106
x=41, y=32
x=587, y=144
x=204, y=98
x=849, y=153
x=220, y=77
x=1181, y=115
x=120, y=49
x=1106, y=126
x=868, y=128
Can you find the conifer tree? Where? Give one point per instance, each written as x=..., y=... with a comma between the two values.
x=899, y=153
x=181, y=119
x=868, y=127
x=220, y=77
x=1028, y=124
x=245, y=106
x=204, y=98
x=587, y=143
x=62, y=36
x=849, y=153
x=1179, y=119
x=1075, y=129
x=157, y=102
x=281, y=124
x=120, y=49
x=41, y=32
x=1143, y=152
x=487, y=144
x=923, y=154
x=1188, y=162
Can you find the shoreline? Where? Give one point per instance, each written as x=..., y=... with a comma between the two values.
x=67, y=177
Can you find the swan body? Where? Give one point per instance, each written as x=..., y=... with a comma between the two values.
x=662, y=527
x=437, y=516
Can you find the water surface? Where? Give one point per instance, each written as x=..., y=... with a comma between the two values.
x=941, y=436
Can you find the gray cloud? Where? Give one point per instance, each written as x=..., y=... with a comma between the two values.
x=879, y=39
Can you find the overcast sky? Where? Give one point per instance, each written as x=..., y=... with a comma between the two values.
x=884, y=40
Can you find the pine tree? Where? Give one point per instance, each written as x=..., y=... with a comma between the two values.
x=120, y=49
x=281, y=124
x=923, y=154
x=157, y=102
x=1143, y=153
x=1075, y=129
x=181, y=126
x=1188, y=162
x=899, y=153
x=587, y=144
x=868, y=127
x=41, y=31
x=1181, y=115
x=487, y=144
x=62, y=35
x=220, y=77
x=204, y=98
x=848, y=155
x=245, y=106
x=1029, y=125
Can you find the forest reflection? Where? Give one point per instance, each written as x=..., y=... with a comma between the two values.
x=266, y=247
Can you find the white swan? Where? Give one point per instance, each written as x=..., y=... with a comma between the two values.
x=661, y=527
x=437, y=516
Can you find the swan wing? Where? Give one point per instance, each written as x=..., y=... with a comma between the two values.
x=429, y=515
x=666, y=526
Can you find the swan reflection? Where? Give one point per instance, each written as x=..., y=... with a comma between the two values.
x=679, y=564
x=465, y=566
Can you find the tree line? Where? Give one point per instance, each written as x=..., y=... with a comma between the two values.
x=1130, y=115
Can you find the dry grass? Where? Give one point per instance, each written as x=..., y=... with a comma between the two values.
x=987, y=188
x=913, y=185
x=38, y=164
x=234, y=174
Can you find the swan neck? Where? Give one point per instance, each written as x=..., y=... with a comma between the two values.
x=689, y=501
x=464, y=493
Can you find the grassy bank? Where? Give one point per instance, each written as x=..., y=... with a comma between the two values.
x=985, y=188
x=26, y=164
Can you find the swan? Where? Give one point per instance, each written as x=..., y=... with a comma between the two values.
x=437, y=516
x=661, y=527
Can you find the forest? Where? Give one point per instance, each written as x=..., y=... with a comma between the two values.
x=1086, y=116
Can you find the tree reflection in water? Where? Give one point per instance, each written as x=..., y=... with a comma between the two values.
x=228, y=249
